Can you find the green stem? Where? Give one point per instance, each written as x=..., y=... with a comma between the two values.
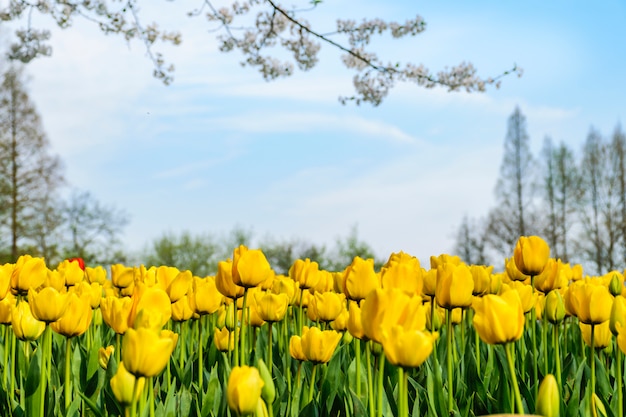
x=133, y=404
x=13, y=360
x=620, y=393
x=518, y=398
x=300, y=313
x=151, y=395
x=449, y=359
x=592, y=359
x=544, y=344
x=401, y=391
x=181, y=352
x=6, y=357
x=533, y=328
x=477, y=348
x=244, y=325
x=557, y=355
x=370, y=385
x=68, y=378
x=357, y=354
x=200, y=355
x=312, y=383
x=270, y=363
x=381, y=375
x=118, y=345
x=236, y=335
x=44, y=362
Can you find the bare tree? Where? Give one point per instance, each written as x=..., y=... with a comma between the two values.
x=599, y=207
x=257, y=28
x=561, y=190
x=93, y=230
x=470, y=242
x=514, y=214
x=618, y=163
x=29, y=174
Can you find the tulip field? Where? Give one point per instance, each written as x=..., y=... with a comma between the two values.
x=539, y=338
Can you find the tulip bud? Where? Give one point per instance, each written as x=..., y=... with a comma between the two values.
x=268, y=392
x=548, y=400
x=554, y=309
x=618, y=314
x=244, y=389
x=615, y=286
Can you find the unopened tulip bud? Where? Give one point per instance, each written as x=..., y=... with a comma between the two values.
x=615, y=286
x=268, y=393
x=548, y=400
x=554, y=309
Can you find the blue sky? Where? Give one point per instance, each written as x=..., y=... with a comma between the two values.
x=220, y=147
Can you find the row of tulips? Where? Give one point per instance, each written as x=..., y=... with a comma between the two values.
x=453, y=339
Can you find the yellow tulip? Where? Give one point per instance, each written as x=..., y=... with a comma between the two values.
x=123, y=384
x=96, y=274
x=444, y=258
x=250, y=267
x=318, y=346
x=360, y=279
x=271, y=307
x=6, y=271
x=104, y=355
x=205, y=298
x=531, y=255
x=180, y=286
x=482, y=279
x=454, y=286
x=6, y=307
x=223, y=339
x=552, y=277
x=326, y=306
x=122, y=276
x=384, y=308
x=153, y=303
x=499, y=319
x=526, y=294
x=407, y=348
x=115, y=312
x=25, y=326
x=71, y=271
x=601, y=334
x=403, y=271
x=295, y=346
x=591, y=302
x=181, y=309
x=325, y=283
x=145, y=352
x=28, y=273
x=340, y=324
x=355, y=324
x=77, y=317
x=512, y=272
x=430, y=282
x=224, y=280
x=47, y=305
x=244, y=390
x=286, y=285
x=495, y=284
x=305, y=273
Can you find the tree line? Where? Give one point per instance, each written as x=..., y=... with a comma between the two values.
x=35, y=217
x=575, y=200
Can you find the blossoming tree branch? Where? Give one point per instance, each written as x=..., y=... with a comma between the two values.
x=271, y=37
